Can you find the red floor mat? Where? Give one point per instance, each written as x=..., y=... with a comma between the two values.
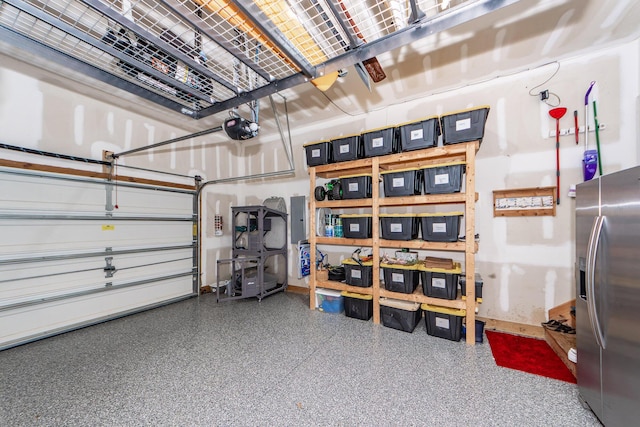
x=529, y=355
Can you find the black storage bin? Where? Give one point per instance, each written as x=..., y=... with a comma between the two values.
x=356, y=186
x=356, y=226
x=463, y=286
x=358, y=274
x=318, y=153
x=439, y=282
x=400, y=315
x=357, y=306
x=402, y=182
x=443, y=178
x=464, y=125
x=420, y=134
x=336, y=273
x=443, y=322
x=441, y=227
x=400, y=278
x=399, y=226
x=346, y=148
x=379, y=142
x=479, y=331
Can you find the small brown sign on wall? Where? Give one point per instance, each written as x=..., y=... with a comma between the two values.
x=539, y=201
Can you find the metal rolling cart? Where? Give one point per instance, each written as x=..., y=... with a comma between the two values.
x=259, y=264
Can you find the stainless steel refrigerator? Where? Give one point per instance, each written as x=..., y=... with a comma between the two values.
x=608, y=296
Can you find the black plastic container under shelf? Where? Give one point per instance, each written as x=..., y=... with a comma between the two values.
x=479, y=331
x=440, y=227
x=318, y=153
x=443, y=178
x=399, y=226
x=356, y=186
x=402, y=182
x=463, y=286
x=346, y=148
x=356, y=226
x=440, y=282
x=420, y=134
x=465, y=125
x=443, y=322
x=358, y=274
x=400, y=315
x=379, y=142
x=357, y=306
x=400, y=278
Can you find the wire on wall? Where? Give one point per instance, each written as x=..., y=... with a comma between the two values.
x=545, y=95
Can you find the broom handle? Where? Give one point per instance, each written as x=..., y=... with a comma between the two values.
x=558, y=161
x=595, y=119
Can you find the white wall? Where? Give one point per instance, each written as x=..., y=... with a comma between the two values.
x=526, y=263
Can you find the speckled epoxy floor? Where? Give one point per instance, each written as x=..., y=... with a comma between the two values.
x=271, y=363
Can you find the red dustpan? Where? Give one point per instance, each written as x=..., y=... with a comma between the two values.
x=557, y=113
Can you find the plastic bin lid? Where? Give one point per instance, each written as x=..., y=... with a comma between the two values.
x=441, y=214
x=418, y=121
x=400, y=170
x=378, y=129
x=315, y=143
x=457, y=269
x=354, y=295
x=444, y=310
x=329, y=292
x=339, y=138
x=398, y=215
x=466, y=110
x=355, y=216
x=402, y=305
x=400, y=266
x=354, y=262
x=355, y=176
x=442, y=165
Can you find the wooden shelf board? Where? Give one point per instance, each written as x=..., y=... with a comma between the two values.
x=341, y=241
x=427, y=199
x=421, y=244
x=428, y=156
x=418, y=296
x=350, y=203
x=339, y=286
x=335, y=170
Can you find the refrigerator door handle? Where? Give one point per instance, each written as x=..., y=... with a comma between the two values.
x=594, y=242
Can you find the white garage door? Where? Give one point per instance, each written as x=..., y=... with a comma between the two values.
x=69, y=258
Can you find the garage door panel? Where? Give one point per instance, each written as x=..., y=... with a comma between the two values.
x=31, y=281
x=59, y=315
x=65, y=259
x=39, y=194
x=27, y=236
x=132, y=200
